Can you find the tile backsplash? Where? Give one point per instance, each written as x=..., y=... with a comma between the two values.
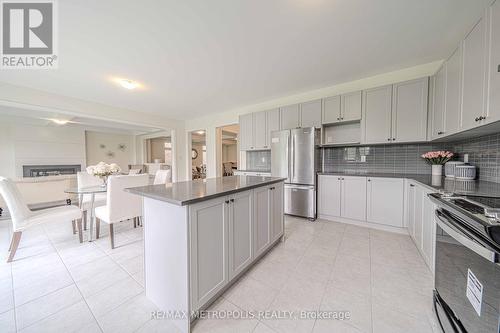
x=259, y=160
x=484, y=153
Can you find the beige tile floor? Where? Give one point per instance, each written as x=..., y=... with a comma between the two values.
x=58, y=285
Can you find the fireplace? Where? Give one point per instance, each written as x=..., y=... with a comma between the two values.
x=50, y=170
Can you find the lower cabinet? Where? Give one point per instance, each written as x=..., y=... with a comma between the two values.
x=227, y=234
x=240, y=232
x=342, y=196
x=209, y=223
x=262, y=220
x=421, y=221
x=277, y=208
x=385, y=201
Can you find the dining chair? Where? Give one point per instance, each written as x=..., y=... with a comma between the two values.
x=134, y=171
x=228, y=168
x=84, y=179
x=163, y=177
x=120, y=205
x=23, y=218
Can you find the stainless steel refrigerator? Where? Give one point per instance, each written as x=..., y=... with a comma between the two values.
x=295, y=156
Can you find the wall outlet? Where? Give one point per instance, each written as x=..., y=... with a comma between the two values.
x=363, y=158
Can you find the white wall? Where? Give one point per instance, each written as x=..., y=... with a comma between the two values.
x=229, y=153
x=96, y=154
x=210, y=122
x=37, y=145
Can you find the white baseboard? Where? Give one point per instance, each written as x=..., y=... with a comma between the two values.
x=366, y=224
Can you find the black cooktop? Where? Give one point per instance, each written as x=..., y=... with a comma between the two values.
x=468, y=206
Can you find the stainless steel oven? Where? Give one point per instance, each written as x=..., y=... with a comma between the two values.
x=467, y=271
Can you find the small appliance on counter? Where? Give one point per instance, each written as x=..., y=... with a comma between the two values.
x=449, y=168
x=465, y=172
x=467, y=269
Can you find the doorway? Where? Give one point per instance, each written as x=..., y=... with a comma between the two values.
x=198, y=154
x=228, y=159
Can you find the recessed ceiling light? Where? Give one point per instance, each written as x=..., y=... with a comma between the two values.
x=128, y=84
x=60, y=121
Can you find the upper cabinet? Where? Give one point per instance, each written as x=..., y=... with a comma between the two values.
x=331, y=110
x=307, y=114
x=256, y=128
x=409, y=110
x=290, y=116
x=474, y=83
x=439, y=104
x=342, y=108
x=350, y=106
x=453, y=93
x=246, y=132
x=493, y=111
x=310, y=114
x=396, y=113
x=377, y=109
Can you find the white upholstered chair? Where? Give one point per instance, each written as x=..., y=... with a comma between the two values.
x=163, y=177
x=84, y=180
x=23, y=217
x=120, y=205
x=134, y=171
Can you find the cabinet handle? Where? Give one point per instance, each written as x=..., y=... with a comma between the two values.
x=476, y=119
x=482, y=118
x=343, y=179
x=227, y=201
x=393, y=139
x=341, y=118
x=338, y=118
x=411, y=185
x=232, y=200
x=440, y=132
x=369, y=180
x=388, y=139
x=338, y=178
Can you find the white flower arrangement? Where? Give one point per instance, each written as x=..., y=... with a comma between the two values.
x=103, y=170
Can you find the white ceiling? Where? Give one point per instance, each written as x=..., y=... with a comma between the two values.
x=39, y=118
x=196, y=56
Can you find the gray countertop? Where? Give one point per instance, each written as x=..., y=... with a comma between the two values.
x=189, y=192
x=256, y=171
x=440, y=184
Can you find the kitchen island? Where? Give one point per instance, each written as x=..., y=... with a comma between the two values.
x=201, y=235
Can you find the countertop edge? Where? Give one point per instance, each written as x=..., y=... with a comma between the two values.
x=205, y=198
x=483, y=193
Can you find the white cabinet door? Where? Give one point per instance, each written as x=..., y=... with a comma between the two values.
x=262, y=220
x=329, y=192
x=277, y=222
x=354, y=198
x=385, y=201
x=493, y=113
x=290, y=116
x=428, y=231
x=377, y=106
x=410, y=209
x=259, y=130
x=273, y=124
x=350, y=106
x=240, y=232
x=246, y=132
x=438, y=103
x=310, y=114
x=409, y=110
x=453, y=101
x=474, y=76
x=419, y=202
x=209, y=249
x=331, y=110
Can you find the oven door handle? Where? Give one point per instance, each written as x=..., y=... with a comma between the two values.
x=447, y=223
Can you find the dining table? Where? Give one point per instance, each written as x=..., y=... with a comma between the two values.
x=92, y=191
